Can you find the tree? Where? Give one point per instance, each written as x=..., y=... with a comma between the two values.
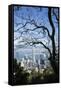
x=20, y=76
x=30, y=24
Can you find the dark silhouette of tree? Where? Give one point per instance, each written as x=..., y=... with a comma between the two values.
x=20, y=76
x=53, y=59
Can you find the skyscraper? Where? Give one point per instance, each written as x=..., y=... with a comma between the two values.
x=33, y=54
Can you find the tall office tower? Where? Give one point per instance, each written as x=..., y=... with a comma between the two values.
x=42, y=63
x=33, y=54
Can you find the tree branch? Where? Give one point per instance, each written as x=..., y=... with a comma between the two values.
x=56, y=16
x=51, y=22
x=39, y=42
x=32, y=22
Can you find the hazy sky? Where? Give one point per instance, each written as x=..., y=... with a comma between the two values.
x=40, y=15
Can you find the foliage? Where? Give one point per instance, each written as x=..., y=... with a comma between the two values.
x=22, y=77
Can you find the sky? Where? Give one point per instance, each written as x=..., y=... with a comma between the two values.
x=23, y=14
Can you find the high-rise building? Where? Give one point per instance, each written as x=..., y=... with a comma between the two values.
x=33, y=53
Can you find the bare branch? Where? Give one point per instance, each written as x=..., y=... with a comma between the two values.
x=50, y=21
x=32, y=22
x=39, y=42
x=56, y=16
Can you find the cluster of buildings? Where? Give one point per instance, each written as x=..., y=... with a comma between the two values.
x=38, y=62
x=33, y=63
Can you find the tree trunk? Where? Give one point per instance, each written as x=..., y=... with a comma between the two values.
x=52, y=58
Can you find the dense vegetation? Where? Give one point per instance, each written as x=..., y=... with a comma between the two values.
x=22, y=77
